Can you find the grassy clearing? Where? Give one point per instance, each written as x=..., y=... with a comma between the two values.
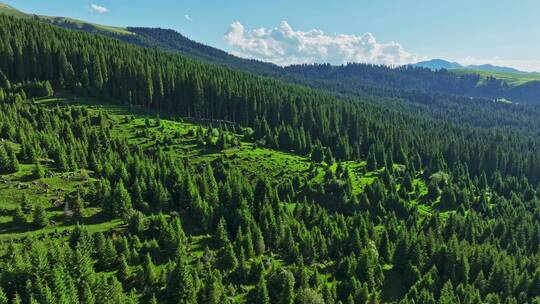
x=512, y=79
x=10, y=11
x=63, y=21
x=179, y=138
x=79, y=24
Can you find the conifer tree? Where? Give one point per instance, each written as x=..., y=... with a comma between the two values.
x=149, y=273
x=121, y=200
x=222, y=238
x=18, y=216
x=16, y=299
x=181, y=288
x=3, y=297
x=261, y=291
x=260, y=246
x=229, y=260
x=371, y=160
x=40, y=216
x=317, y=154
x=82, y=270
x=13, y=165
x=38, y=171
x=87, y=295
x=5, y=161
x=78, y=206
x=124, y=271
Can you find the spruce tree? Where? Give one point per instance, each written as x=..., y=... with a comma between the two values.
x=41, y=219
x=38, y=171
x=261, y=290
x=181, y=288
x=260, y=246
x=5, y=161
x=317, y=154
x=121, y=200
x=78, y=206
x=87, y=295
x=18, y=216
x=149, y=273
x=3, y=297
x=222, y=237
x=371, y=160
x=124, y=271
x=229, y=260
x=13, y=166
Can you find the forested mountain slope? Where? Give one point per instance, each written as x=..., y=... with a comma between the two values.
x=351, y=78
x=355, y=79
x=210, y=185
x=362, y=78
x=171, y=40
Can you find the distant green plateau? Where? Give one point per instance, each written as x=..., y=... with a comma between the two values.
x=512, y=79
x=64, y=22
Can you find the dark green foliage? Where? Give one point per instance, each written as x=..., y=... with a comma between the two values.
x=371, y=160
x=3, y=297
x=78, y=206
x=120, y=203
x=317, y=155
x=39, y=171
x=40, y=216
x=440, y=212
x=18, y=216
x=260, y=293
x=309, y=296
x=181, y=288
x=229, y=260
x=8, y=160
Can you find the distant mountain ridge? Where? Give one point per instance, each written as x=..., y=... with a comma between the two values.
x=438, y=64
x=493, y=68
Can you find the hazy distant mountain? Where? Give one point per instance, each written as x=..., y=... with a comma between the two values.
x=492, y=68
x=438, y=64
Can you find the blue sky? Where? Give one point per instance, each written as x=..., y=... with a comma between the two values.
x=479, y=31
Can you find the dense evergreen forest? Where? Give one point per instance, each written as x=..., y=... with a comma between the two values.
x=133, y=175
x=354, y=78
x=351, y=79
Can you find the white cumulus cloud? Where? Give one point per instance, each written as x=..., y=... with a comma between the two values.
x=99, y=9
x=284, y=45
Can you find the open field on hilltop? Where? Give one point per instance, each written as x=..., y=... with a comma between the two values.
x=512, y=79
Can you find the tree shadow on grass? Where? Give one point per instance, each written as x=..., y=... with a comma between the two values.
x=57, y=221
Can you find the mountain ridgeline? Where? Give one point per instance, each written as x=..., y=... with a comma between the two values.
x=133, y=174
x=357, y=78
x=429, y=77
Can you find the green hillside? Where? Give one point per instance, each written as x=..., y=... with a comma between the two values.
x=134, y=175
x=200, y=142
x=512, y=79
x=64, y=22
x=83, y=25
x=370, y=82
x=10, y=11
